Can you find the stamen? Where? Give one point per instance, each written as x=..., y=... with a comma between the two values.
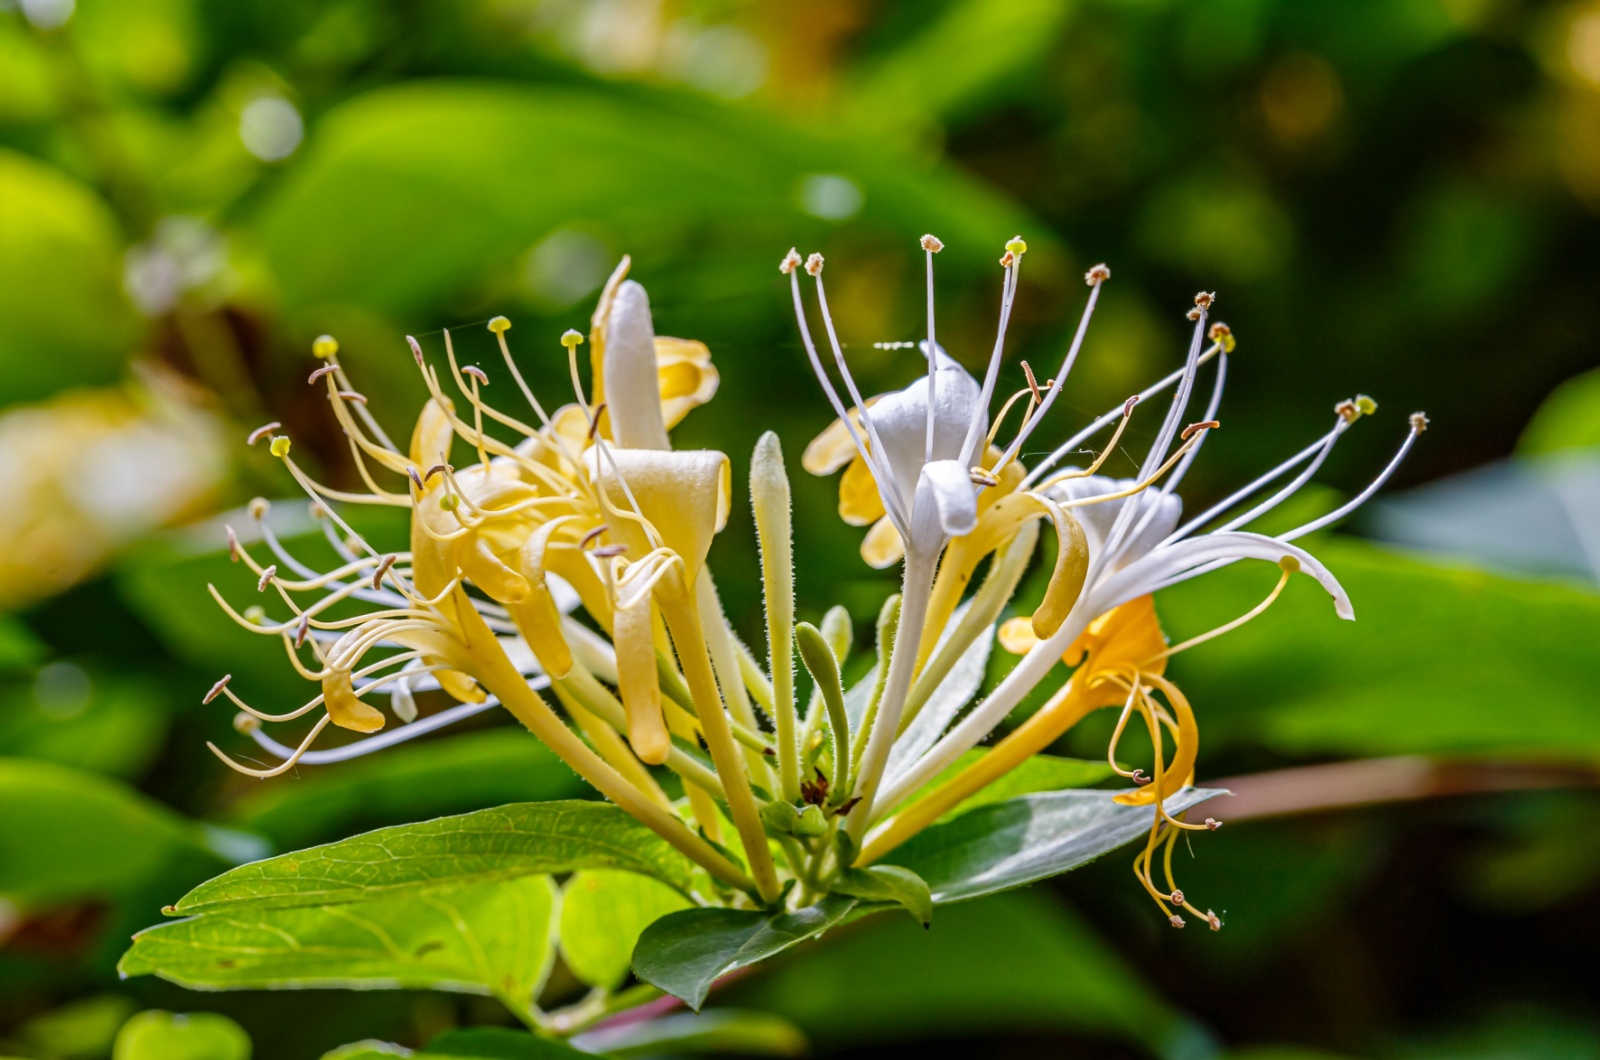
x=261, y=432
x=1202, y=304
x=790, y=262
x=288, y=763
x=266, y=577
x=216, y=689
x=814, y=265
x=583, y=542
x=1208, y=425
x=233, y=545
x=327, y=369
x=259, y=507
x=1097, y=275
x=416, y=350
x=1008, y=293
x=1222, y=333
x=383, y=568
x=1033, y=384
x=351, y=395
x=477, y=373
x=1419, y=422
x=932, y=245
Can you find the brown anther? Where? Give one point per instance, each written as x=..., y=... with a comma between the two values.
x=1175, y=920
x=216, y=689
x=847, y=806
x=351, y=395
x=931, y=244
x=1348, y=410
x=814, y=265
x=1205, y=299
x=327, y=369
x=1206, y=425
x=1007, y=260
x=1127, y=406
x=790, y=262
x=1419, y=422
x=607, y=551
x=1140, y=779
x=383, y=568
x=1213, y=824
x=437, y=469
x=1214, y=920
x=1033, y=384
x=416, y=478
x=258, y=508
x=317, y=510
x=982, y=477
x=1098, y=274
x=266, y=577
x=477, y=373
x=583, y=542
x=1218, y=331
x=302, y=630
x=1177, y=897
x=416, y=349
x=594, y=420
x=264, y=431
x=233, y=545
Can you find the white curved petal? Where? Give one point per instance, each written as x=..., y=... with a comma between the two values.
x=946, y=488
x=1174, y=561
x=1098, y=519
x=901, y=419
x=632, y=385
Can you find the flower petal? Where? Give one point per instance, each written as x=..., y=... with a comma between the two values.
x=632, y=386
x=947, y=486
x=685, y=376
x=685, y=496
x=860, y=503
x=882, y=548
x=1098, y=519
x=833, y=449
x=1180, y=560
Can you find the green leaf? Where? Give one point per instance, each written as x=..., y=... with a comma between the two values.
x=412, y=782
x=159, y=1035
x=498, y=1043
x=1440, y=660
x=368, y=1050
x=1014, y=964
x=523, y=839
x=684, y=953
x=67, y=835
x=1039, y=773
x=889, y=883
x=1026, y=839
x=374, y=185
x=722, y=1030
x=493, y=937
x=67, y=322
x=1568, y=419
x=602, y=915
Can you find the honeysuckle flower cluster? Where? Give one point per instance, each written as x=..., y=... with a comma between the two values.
x=571, y=560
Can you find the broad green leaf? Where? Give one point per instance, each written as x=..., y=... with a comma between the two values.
x=412, y=782
x=1568, y=419
x=721, y=1030
x=889, y=883
x=1014, y=964
x=444, y=166
x=159, y=1035
x=66, y=320
x=523, y=839
x=66, y=835
x=86, y=1027
x=490, y=937
x=1039, y=773
x=498, y=1043
x=686, y=952
x=602, y=915
x=1027, y=839
x=1441, y=659
x=105, y=725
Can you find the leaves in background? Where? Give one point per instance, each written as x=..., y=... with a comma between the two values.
x=158, y=1035
x=686, y=952
x=523, y=839
x=1439, y=660
x=495, y=937
x=67, y=835
x=60, y=293
x=454, y=774
x=1026, y=839
x=721, y=1030
x=602, y=915
x=1568, y=419
x=499, y=1043
x=1011, y=964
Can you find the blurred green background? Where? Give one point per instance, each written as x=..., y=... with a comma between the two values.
x=1393, y=196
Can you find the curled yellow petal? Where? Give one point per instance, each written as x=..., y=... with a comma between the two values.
x=431, y=438
x=489, y=572
x=460, y=687
x=685, y=495
x=833, y=449
x=882, y=547
x=346, y=710
x=1016, y=635
x=860, y=503
x=536, y=614
x=639, y=682
x=1066, y=581
x=688, y=379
